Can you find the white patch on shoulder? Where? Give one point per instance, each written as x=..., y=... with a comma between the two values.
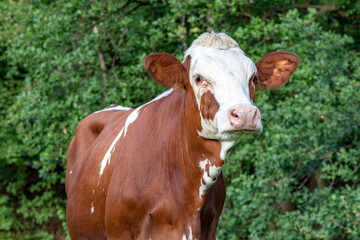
x=164, y=94
x=129, y=120
x=119, y=108
x=209, y=176
x=106, y=159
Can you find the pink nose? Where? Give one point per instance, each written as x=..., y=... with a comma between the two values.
x=244, y=117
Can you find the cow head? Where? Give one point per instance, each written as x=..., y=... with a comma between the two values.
x=223, y=82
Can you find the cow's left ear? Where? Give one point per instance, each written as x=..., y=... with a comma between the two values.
x=165, y=69
x=275, y=68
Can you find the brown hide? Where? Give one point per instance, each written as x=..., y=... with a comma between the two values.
x=150, y=188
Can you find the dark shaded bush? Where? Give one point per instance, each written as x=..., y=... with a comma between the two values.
x=61, y=60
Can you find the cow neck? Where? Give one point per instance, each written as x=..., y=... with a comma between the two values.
x=197, y=159
x=204, y=154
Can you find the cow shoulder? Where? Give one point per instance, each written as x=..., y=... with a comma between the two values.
x=90, y=128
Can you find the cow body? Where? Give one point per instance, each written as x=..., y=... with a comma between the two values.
x=136, y=201
x=154, y=172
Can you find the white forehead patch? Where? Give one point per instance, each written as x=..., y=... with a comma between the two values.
x=228, y=72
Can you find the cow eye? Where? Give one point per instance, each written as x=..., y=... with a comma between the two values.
x=198, y=78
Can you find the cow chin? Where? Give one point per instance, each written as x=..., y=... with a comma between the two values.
x=230, y=133
x=225, y=132
x=236, y=134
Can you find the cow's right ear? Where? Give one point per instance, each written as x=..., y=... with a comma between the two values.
x=165, y=69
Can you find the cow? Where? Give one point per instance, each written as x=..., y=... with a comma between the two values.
x=154, y=172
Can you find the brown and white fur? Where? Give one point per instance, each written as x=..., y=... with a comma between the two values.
x=154, y=172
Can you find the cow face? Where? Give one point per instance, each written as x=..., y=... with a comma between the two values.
x=223, y=81
x=220, y=81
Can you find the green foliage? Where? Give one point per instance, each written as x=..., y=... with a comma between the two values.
x=298, y=180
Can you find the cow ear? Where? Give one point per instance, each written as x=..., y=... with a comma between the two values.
x=275, y=68
x=165, y=69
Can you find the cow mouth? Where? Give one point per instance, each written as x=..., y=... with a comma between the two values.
x=233, y=135
x=210, y=130
x=246, y=132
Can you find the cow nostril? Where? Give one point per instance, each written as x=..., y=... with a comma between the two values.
x=244, y=117
x=234, y=115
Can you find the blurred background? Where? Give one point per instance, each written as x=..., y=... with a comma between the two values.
x=62, y=60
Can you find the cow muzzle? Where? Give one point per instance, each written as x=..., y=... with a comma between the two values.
x=244, y=117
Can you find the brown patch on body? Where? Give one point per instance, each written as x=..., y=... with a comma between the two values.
x=161, y=198
x=208, y=106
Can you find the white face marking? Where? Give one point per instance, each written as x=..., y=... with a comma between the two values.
x=209, y=177
x=129, y=120
x=70, y=172
x=226, y=75
x=207, y=128
x=92, y=207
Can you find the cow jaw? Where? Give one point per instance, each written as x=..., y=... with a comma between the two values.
x=220, y=81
